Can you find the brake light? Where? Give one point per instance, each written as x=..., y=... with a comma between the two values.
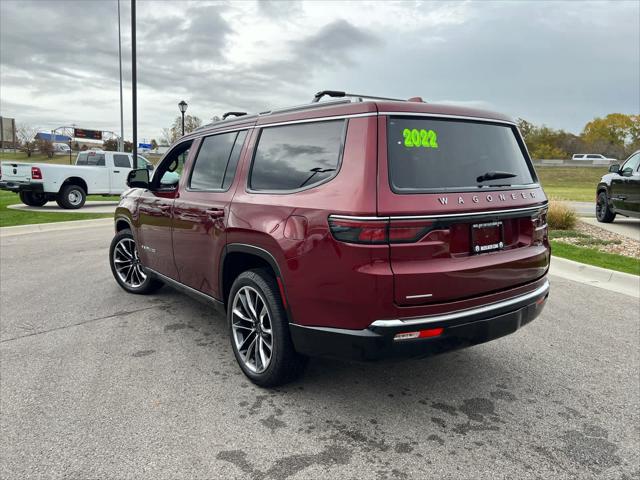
x=378, y=231
x=540, y=228
x=359, y=231
x=36, y=174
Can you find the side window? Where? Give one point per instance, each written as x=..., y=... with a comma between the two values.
x=631, y=165
x=167, y=175
x=293, y=157
x=95, y=159
x=82, y=159
x=212, y=160
x=121, y=161
x=230, y=172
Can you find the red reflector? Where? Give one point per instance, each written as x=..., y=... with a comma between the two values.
x=432, y=332
x=36, y=174
x=281, y=287
x=541, y=301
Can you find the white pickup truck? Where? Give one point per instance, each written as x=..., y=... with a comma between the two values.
x=95, y=172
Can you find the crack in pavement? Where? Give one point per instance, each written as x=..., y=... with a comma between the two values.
x=91, y=320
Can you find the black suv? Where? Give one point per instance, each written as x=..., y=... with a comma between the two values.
x=619, y=190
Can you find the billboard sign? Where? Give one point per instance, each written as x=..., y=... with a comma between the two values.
x=88, y=134
x=145, y=145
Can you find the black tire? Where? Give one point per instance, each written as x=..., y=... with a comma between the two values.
x=71, y=197
x=285, y=363
x=603, y=212
x=33, y=199
x=148, y=284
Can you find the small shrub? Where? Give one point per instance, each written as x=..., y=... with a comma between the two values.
x=561, y=216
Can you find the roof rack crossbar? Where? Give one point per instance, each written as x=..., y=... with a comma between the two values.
x=235, y=114
x=339, y=94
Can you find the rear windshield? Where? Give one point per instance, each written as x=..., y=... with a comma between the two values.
x=428, y=154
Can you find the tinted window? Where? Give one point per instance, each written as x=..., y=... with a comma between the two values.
x=233, y=160
x=121, y=161
x=297, y=156
x=95, y=159
x=82, y=159
x=211, y=162
x=594, y=156
x=433, y=154
x=632, y=163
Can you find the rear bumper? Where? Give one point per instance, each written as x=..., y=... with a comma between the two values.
x=21, y=186
x=460, y=329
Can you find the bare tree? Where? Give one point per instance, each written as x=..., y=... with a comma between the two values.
x=26, y=137
x=170, y=135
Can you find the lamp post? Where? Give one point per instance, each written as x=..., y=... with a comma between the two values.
x=183, y=108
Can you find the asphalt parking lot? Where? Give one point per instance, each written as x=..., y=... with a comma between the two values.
x=97, y=383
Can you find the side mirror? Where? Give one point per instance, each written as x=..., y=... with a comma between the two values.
x=615, y=168
x=150, y=167
x=138, y=178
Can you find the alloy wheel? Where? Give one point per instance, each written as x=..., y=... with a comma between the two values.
x=127, y=263
x=252, y=331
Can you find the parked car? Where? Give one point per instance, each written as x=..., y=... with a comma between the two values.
x=619, y=191
x=61, y=148
x=362, y=229
x=591, y=157
x=95, y=172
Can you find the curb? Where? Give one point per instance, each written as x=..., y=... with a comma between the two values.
x=619, y=282
x=53, y=227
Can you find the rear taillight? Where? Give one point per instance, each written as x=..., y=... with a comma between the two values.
x=36, y=174
x=378, y=231
x=540, y=228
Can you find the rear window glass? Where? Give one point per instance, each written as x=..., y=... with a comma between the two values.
x=434, y=155
x=82, y=159
x=294, y=157
x=96, y=159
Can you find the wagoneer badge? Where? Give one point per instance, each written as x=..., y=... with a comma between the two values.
x=491, y=197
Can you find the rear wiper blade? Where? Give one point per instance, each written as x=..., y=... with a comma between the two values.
x=495, y=176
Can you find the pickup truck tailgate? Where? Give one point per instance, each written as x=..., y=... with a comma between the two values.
x=16, y=172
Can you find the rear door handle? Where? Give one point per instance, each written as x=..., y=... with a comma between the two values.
x=116, y=171
x=215, y=212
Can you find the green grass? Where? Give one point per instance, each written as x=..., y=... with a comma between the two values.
x=37, y=158
x=591, y=256
x=10, y=217
x=570, y=183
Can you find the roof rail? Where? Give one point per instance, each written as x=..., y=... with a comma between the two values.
x=339, y=94
x=304, y=106
x=235, y=114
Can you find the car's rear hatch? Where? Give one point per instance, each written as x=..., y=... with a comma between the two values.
x=465, y=213
x=16, y=172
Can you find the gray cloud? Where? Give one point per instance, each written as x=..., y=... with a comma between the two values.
x=560, y=63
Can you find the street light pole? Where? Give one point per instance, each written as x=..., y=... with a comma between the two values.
x=183, y=108
x=121, y=142
x=134, y=80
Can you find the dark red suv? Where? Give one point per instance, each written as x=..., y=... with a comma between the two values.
x=362, y=227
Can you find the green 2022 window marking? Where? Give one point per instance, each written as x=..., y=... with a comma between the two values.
x=420, y=138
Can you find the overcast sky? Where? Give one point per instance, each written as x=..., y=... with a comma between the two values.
x=558, y=63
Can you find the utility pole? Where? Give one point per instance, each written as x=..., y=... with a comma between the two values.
x=121, y=143
x=134, y=80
